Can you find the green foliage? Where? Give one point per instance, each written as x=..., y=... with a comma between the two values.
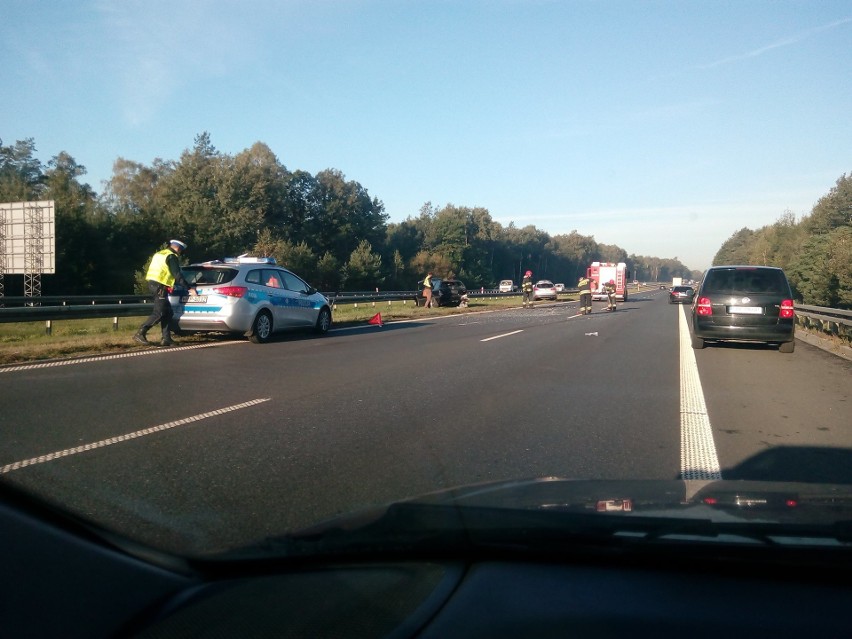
x=332, y=232
x=833, y=210
x=821, y=273
x=654, y=269
x=140, y=283
x=735, y=250
x=21, y=173
x=363, y=271
x=329, y=276
x=816, y=253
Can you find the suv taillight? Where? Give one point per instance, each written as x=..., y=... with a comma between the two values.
x=703, y=307
x=231, y=291
x=786, y=309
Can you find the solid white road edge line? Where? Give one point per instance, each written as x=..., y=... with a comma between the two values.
x=698, y=458
x=123, y=438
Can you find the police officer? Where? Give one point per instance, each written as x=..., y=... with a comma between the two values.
x=162, y=275
x=527, y=288
x=585, y=286
x=609, y=287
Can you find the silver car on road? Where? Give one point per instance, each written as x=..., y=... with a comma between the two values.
x=248, y=295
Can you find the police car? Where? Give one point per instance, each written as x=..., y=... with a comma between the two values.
x=249, y=295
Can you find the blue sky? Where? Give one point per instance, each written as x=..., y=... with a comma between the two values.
x=660, y=126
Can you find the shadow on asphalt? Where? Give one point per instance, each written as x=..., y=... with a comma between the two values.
x=806, y=464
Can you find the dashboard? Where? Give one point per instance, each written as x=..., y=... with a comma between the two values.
x=64, y=579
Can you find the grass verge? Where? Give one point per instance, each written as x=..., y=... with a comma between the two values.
x=28, y=341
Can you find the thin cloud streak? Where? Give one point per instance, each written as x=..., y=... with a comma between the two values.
x=776, y=45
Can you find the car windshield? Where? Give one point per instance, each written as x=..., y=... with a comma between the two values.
x=309, y=165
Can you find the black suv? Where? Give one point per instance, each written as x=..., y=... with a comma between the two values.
x=444, y=292
x=744, y=304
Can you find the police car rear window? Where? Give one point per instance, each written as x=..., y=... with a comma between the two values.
x=208, y=274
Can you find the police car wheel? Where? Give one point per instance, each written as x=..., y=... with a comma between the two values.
x=261, y=329
x=323, y=321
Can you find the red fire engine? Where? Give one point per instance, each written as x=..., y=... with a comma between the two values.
x=602, y=272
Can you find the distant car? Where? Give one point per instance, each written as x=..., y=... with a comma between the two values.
x=445, y=292
x=544, y=289
x=560, y=287
x=681, y=295
x=744, y=304
x=506, y=286
x=248, y=295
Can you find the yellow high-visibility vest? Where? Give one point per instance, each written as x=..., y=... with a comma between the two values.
x=159, y=269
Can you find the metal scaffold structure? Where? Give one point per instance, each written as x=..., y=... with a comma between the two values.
x=2, y=255
x=27, y=244
x=33, y=249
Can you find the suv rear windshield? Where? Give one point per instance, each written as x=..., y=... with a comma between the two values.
x=738, y=281
x=208, y=274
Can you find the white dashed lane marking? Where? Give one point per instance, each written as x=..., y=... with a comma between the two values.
x=123, y=438
x=105, y=358
x=488, y=339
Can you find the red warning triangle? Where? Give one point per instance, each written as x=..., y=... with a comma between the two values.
x=376, y=319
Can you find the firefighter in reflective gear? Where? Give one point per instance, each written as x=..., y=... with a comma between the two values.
x=162, y=275
x=527, y=288
x=609, y=287
x=585, y=286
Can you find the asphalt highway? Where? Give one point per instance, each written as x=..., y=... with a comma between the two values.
x=205, y=448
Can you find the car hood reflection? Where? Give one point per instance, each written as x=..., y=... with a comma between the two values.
x=557, y=513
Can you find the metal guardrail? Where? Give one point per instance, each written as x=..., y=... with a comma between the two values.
x=834, y=321
x=838, y=313
x=50, y=308
x=356, y=296
x=65, y=300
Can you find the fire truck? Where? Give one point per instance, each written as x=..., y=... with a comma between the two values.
x=602, y=272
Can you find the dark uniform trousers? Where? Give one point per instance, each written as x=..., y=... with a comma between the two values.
x=162, y=312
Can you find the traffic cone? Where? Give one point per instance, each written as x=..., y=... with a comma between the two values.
x=376, y=319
